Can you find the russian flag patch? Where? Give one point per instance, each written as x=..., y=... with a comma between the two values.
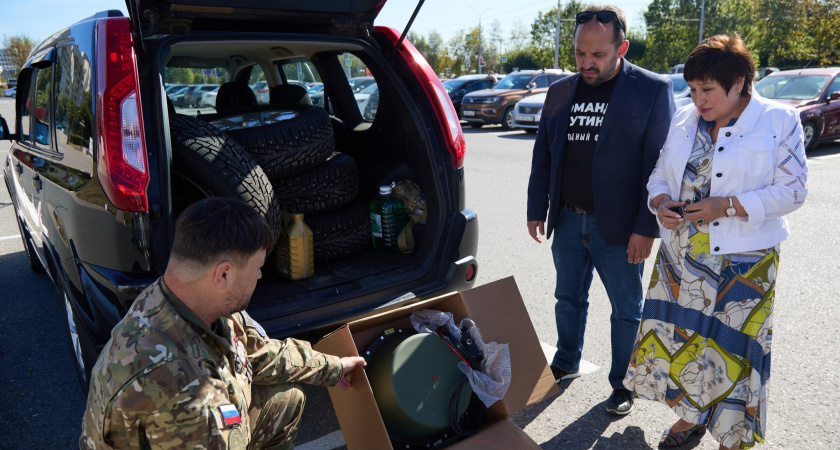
x=230, y=415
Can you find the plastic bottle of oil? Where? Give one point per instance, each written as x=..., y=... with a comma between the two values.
x=387, y=219
x=301, y=254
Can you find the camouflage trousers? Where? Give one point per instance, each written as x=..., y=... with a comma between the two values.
x=275, y=413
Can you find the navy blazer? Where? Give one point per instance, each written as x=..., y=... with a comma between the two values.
x=632, y=134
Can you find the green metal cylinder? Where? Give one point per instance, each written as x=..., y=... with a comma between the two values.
x=413, y=378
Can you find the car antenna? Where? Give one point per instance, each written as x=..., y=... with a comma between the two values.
x=408, y=25
x=806, y=66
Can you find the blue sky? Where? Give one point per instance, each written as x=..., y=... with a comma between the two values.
x=40, y=18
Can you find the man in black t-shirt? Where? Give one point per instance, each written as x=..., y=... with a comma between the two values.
x=596, y=146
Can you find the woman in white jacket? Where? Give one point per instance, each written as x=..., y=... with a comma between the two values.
x=732, y=167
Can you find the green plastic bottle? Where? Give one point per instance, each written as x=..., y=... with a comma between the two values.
x=387, y=219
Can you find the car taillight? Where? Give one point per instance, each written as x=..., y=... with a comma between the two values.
x=442, y=104
x=122, y=167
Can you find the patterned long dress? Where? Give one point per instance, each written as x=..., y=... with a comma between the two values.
x=703, y=346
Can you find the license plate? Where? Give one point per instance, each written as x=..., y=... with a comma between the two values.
x=469, y=113
x=526, y=118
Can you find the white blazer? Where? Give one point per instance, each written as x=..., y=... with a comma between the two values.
x=760, y=160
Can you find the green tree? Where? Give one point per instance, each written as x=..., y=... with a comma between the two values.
x=18, y=48
x=544, y=31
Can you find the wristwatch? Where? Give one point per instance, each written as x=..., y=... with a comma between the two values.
x=731, y=210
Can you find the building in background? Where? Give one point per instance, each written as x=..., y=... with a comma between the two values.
x=10, y=70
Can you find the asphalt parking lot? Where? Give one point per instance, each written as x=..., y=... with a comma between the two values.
x=43, y=404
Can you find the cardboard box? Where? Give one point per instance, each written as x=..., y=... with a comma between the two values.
x=499, y=312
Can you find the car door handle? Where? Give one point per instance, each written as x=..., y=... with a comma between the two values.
x=37, y=183
x=19, y=168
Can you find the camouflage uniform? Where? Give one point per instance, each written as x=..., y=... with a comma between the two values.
x=165, y=380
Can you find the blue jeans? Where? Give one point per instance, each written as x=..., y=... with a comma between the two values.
x=578, y=248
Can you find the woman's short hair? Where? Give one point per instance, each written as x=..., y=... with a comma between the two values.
x=723, y=59
x=216, y=228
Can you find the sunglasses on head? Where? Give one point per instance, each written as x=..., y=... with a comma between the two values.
x=602, y=16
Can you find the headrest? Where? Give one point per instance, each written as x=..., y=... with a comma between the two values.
x=288, y=93
x=233, y=95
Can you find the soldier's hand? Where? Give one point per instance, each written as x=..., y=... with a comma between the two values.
x=348, y=363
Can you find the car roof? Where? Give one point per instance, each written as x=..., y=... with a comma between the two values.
x=811, y=71
x=474, y=76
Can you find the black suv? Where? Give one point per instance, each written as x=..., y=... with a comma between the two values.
x=463, y=85
x=102, y=163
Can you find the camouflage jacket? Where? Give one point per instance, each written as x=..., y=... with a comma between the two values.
x=165, y=380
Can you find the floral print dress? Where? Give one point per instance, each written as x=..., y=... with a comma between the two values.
x=703, y=346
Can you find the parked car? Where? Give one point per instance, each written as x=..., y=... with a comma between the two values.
x=261, y=90
x=208, y=99
x=359, y=83
x=312, y=88
x=682, y=93
x=528, y=111
x=492, y=106
x=815, y=93
x=177, y=95
x=11, y=82
x=363, y=96
x=10, y=92
x=457, y=88
x=96, y=208
x=192, y=97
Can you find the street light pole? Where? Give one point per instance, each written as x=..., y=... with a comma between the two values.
x=480, y=59
x=557, y=36
x=702, y=13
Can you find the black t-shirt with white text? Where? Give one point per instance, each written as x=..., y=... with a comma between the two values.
x=585, y=120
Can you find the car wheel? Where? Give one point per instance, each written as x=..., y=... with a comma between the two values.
x=342, y=233
x=325, y=188
x=476, y=124
x=507, y=118
x=206, y=162
x=812, y=135
x=291, y=146
x=84, y=355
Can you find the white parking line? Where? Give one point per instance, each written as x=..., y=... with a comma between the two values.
x=586, y=367
x=14, y=236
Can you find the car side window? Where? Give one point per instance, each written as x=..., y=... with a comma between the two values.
x=25, y=122
x=41, y=112
x=834, y=86
x=73, y=105
x=542, y=81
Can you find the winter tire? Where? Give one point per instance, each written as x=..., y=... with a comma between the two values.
x=326, y=188
x=206, y=162
x=290, y=146
x=341, y=233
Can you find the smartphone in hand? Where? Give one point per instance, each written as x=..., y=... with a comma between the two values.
x=679, y=210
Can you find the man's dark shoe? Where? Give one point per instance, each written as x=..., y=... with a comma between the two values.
x=620, y=402
x=560, y=374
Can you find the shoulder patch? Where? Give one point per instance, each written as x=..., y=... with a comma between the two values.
x=235, y=440
x=249, y=322
x=230, y=414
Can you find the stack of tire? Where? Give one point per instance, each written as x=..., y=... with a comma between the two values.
x=290, y=165
x=309, y=177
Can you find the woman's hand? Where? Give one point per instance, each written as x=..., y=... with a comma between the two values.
x=669, y=219
x=707, y=210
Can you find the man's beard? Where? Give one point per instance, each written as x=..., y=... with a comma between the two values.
x=599, y=78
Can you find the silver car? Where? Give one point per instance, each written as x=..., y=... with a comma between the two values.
x=527, y=113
